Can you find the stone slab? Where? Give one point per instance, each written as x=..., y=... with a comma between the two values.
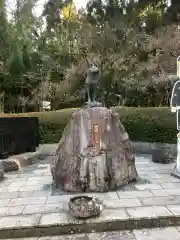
x=171, y=185
x=120, y=203
x=30, y=206
x=52, y=224
x=160, y=193
x=27, y=201
x=148, y=186
x=157, y=234
x=154, y=201
x=44, y=208
x=167, y=233
x=19, y=222
x=119, y=235
x=10, y=211
x=135, y=194
x=174, y=209
x=175, y=172
x=149, y=212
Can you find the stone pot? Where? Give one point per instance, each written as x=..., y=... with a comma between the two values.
x=85, y=207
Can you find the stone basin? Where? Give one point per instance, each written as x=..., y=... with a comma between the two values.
x=85, y=206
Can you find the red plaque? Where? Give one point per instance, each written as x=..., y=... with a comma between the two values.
x=96, y=136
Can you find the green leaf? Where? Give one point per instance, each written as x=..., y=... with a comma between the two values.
x=16, y=65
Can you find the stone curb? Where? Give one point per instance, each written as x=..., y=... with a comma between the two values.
x=140, y=148
x=16, y=162
x=147, y=148
x=30, y=158
x=25, y=159
x=77, y=226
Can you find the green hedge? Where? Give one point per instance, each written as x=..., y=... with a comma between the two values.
x=142, y=124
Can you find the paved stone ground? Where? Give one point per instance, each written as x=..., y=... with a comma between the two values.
x=28, y=199
x=170, y=233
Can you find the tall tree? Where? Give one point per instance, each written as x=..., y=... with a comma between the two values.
x=173, y=13
x=1, y=5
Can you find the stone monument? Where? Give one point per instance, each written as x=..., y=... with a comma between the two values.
x=94, y=153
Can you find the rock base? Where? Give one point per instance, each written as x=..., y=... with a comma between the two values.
x=10, y=165
x=94, y=153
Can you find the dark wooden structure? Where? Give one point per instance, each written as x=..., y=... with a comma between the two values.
x=18, y=135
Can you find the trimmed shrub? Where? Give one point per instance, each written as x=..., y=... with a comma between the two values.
x=142, y=124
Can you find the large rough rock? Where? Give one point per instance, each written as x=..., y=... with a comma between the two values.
x=10, y=165
x=162, y=154
x=16, y=162
x=1, y=171
x=94, y=153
